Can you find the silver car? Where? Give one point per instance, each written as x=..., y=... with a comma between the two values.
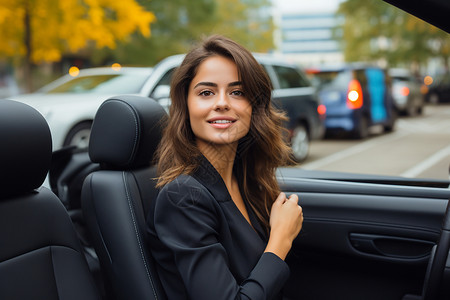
x=407, y=91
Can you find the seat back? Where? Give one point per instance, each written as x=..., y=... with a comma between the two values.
x=115, y=199
x=40, y=254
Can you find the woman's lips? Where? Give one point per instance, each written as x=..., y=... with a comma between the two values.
x=221, y=123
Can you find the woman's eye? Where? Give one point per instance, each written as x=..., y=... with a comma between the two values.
x=237, y=93
x=206, y=93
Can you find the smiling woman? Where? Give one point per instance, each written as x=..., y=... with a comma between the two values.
x=219, y=111
x=217, y=162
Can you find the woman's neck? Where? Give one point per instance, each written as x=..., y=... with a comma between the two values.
x=221, y=157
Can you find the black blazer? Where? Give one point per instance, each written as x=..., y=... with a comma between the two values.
x=204, y=247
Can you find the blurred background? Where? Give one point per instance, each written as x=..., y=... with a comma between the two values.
x=40, y=40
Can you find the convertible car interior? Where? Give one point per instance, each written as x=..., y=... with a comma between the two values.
x=81, y=234
x=40, y=254
x=115, y=198
x=364, y=237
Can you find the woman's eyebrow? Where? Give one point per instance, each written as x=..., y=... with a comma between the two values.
x=212, y=84
x=206, y=83
x=235, y=83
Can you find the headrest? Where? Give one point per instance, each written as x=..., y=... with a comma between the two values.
x=25, y=149
x=126, y=132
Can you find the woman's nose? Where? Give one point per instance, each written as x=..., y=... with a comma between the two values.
x=222, y=102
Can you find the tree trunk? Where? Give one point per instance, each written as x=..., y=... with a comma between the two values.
x=28, y=50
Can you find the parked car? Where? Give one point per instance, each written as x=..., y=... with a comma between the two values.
x=407, y=90
x=356, y=97
x=69, y=103
x=439, y=90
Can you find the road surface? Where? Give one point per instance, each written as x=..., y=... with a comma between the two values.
x=419, y=147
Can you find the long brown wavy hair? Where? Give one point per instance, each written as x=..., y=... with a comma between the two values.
x=259, y=153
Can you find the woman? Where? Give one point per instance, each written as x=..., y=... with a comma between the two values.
x=220, y=228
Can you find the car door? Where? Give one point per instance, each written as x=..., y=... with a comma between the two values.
x=161, y=91
x=377, y=91
x=295, y=95
x=362, y=238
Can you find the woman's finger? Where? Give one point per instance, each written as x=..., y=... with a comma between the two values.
x=281, y=198
x=294, y=198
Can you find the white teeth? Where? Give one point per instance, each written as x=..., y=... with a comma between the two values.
x=221, y=121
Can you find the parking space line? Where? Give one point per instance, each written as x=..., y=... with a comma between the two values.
x=427, y=163
x=353, y=150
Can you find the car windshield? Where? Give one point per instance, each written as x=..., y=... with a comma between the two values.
x=400, y=78
x=100, y=84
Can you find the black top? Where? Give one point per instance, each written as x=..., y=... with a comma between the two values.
x=204, y=247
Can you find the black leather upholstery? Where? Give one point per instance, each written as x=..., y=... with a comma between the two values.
x=125, y=133
x=40, y=254
x=26, y=148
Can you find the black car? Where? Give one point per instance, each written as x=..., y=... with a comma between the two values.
x=439, y=90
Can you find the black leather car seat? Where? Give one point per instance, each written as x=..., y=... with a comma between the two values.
x=40, y=254
x=115, y=199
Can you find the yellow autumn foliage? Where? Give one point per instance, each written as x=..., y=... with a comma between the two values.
x=62, y=26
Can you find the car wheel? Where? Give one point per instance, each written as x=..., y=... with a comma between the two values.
x=79, y=135
x=411, y=111
x=390, y=126
x=420, y=110
x=300, y=143
x=362, y=129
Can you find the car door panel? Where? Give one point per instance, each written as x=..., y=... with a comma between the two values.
x=362, y=240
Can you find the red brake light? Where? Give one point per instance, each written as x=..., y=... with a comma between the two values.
x=311, y=71
x=405, y=91
x=354, y=95
x=321, y=109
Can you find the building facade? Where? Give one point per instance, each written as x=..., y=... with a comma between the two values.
x=306, y=36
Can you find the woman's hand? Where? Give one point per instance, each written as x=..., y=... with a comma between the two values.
x=286, y=219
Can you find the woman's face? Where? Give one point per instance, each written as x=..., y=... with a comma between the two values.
x=219, y=112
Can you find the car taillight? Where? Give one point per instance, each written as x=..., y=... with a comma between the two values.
x=311, y=71
x=423, y=89
x=405, y=91
x=354, y=95
x=321, y=109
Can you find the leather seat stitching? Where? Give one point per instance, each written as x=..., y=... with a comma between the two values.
x=130, y=205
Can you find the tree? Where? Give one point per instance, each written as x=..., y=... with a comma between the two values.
x=249, y=22
x=43, y=30
x=373, y=30
x=181, y=23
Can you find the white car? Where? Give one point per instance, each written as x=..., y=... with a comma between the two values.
x=407, y=91
x=69, y=104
